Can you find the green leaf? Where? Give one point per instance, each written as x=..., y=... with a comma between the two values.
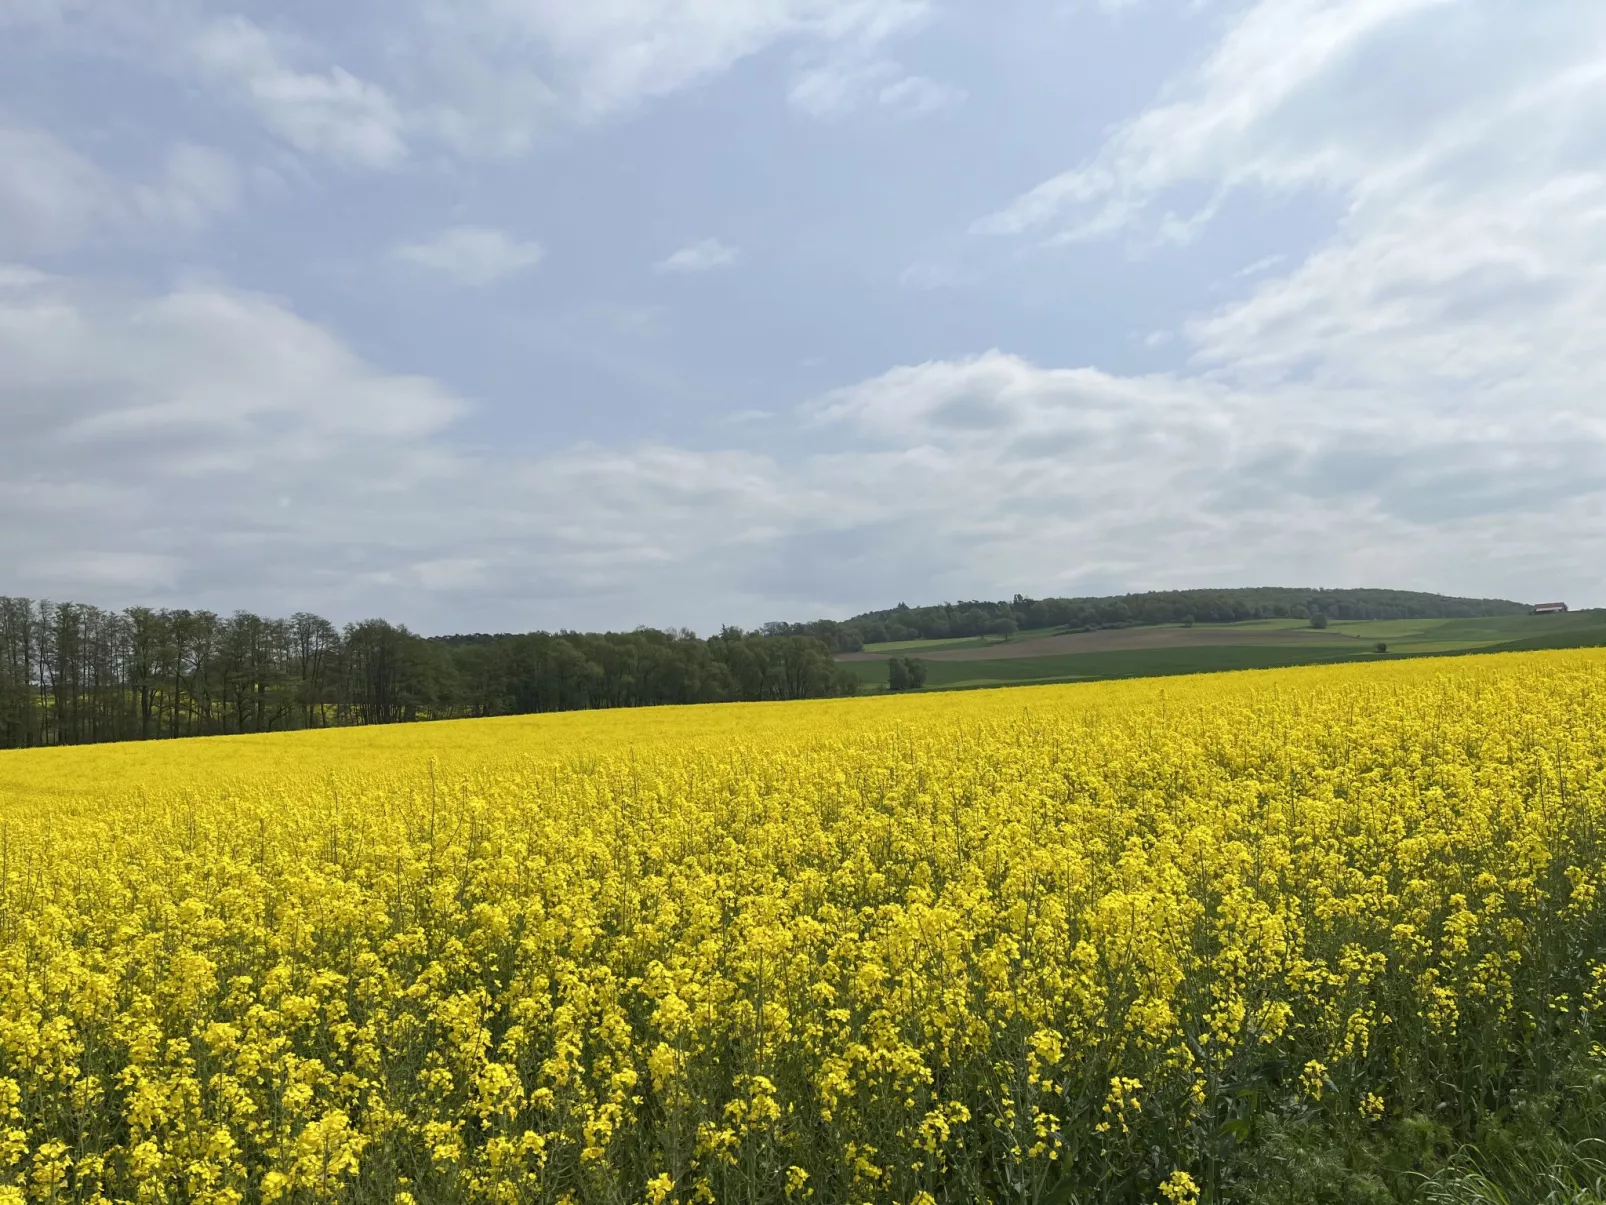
x=1063, y=1193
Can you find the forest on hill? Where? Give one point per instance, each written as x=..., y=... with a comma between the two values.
x=979, y=618
x=74, y=674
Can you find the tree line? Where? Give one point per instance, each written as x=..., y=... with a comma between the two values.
x=73, y=674
x=76, y=674
x=977, y=618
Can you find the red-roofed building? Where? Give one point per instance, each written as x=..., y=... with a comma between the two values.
x=1550, y=609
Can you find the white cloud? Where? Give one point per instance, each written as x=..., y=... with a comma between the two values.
x=196, y=185
x=482, y=78
x=50, y=196
x=17, y=276
x=611, y=57
x=1469, y=261
x=200, y=360
x=1264, y=108
x=116, y=406
x=704, y=256
x=1455, y=301
x=1264, y=264
x=292, y=84
x=1427, y=371
x=329, y=483
x=949, y=477
x=842, y=85
x=54, y=198
x=833, y=88
x=1164, y=480
x=288, y=81
x=1420, y=383
x=849, y=71
x=508, y=70
x=917, y=94
x=329, y=113
x=473, y=255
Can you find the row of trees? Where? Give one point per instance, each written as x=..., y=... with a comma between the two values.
x=74, y=674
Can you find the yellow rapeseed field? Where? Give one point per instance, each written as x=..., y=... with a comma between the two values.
x=1077, y=943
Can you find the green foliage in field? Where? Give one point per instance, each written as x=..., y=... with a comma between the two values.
x=1124, y=663
x=1342, y=641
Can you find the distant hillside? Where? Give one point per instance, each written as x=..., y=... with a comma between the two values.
x=978, y=618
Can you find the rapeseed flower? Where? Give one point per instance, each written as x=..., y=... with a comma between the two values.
x=935, y=948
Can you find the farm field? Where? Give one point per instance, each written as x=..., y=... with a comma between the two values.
x=1054, y=656
x=1156, y=636
x=1131, y=663
x=1319, y=934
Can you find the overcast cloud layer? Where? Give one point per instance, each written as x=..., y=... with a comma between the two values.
x=508, y=314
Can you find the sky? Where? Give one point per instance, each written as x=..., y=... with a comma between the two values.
x=500, y=315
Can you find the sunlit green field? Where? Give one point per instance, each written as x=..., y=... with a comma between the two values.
x=1266, y=645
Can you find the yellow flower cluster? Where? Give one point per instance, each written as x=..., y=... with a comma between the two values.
x=1064, y=943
